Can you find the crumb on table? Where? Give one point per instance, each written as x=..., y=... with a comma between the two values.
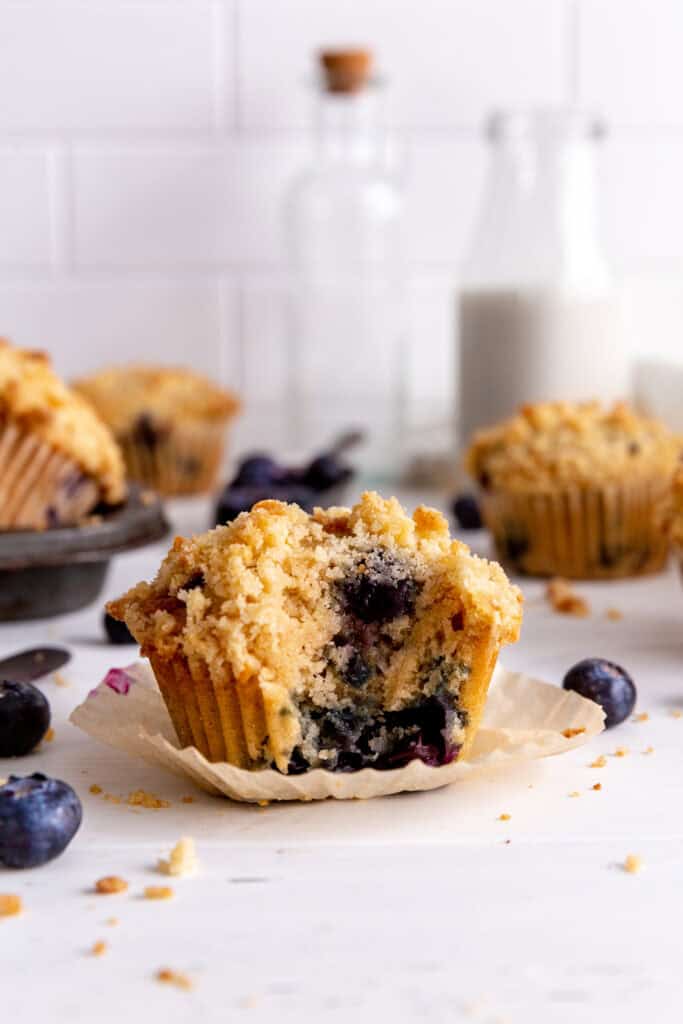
x=599, y=762
x=565, y=600
x=575, y=792
x=649, y=750
x=49, y=735
x=504, y=817
x=633, y=864
x=187, y=799
x=170, y=977
x=182, y=859
x=614, y=615
x=112, y=921
x=676, y=713
x=621, y=752
x=60, y=679
x=10, y=904
x=99, y=948
x=95, y=789
x=642, y=716
x=111, y=884
x=158, y=892
x=597, y=786
x=141, y=798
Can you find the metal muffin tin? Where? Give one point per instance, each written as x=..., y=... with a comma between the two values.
x=50, y=572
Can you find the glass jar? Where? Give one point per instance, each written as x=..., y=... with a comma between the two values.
x=539, y=315
x=344, y=218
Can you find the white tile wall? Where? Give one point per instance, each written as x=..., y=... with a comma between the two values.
x=145, y=146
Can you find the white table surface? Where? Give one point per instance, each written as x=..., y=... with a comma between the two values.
x=414, y=907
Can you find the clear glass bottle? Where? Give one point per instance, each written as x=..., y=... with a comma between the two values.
x=347, y=295
x=539, y=315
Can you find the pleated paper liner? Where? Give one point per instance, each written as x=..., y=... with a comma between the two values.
x=582, y=533
x=525, y=719
x=39, y=486
x=184, y=461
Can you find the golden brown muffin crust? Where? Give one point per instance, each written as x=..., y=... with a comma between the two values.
x=121, y=393
x=559, y=443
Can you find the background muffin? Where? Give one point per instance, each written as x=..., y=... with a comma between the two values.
x=57, y=459
x=577, y=490
x=169, y=422
x=345, y=639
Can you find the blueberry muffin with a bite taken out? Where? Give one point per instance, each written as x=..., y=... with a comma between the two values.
x=581, y=491
x=169, y=421
x=342, y=640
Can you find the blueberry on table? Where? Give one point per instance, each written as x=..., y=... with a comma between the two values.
x=38, y=819
x=117, y=632
x=607, y=684
x=257, y=470
x=467, y=512
x=24, y=718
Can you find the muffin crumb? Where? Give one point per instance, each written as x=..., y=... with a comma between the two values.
x=643, y=716
x=10, y=904
x=649, y=750
x=141, y=798
x=621, y=752
x=158, y=892
x=599, y=762
x=633, y=864
x=110, y=884
x=182, y=860
x=575, y=792
x=112, y=922
x=99, y=948
x=504, y=817
x=187, y=799
x=95, y=789
x=170, y=977
x=564, y=599
x=597, y=786
x=570, y=733
x=49, y=735
x=60, y=679
x=676, y=713
x=614, y=615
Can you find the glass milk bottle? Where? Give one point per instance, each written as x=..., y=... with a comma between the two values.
x=539, y=316
x=347, y=300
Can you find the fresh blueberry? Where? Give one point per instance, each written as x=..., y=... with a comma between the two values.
x=24, y=718
x=324, y=472
x=607, y=684
x=257, y=470
x=467, y=512
x=117, y=632
x=234, y=500
x=38, y=819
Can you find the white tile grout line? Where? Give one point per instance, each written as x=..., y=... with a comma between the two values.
x=60, y=200
x=223, y=117
x=573, y=43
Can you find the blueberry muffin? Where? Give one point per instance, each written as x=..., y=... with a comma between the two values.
x=169, y=422
x=58, y=461
x=342, y=640
x=577, y=490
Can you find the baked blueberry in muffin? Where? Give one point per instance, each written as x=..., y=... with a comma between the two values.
x=344, y=639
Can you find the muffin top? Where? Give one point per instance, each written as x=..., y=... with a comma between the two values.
x=121, y=393
x=235, y=584
x=32, y=394
x=562, y=444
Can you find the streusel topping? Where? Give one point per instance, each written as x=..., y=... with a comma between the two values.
x=577, y=444
x=121, y=394
x=32, y=394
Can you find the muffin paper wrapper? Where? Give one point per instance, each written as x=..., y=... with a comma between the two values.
x=584, y=533
x=36, y=481
x=161, y=466
x=524, y=719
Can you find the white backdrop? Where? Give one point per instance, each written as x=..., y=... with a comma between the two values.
x=145, y=146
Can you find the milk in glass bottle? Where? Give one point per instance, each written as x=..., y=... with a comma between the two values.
x=539, y=317
x=347, y=296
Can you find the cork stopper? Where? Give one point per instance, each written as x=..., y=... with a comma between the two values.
x=346, y=70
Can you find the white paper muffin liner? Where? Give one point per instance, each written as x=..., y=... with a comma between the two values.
x=524, y=719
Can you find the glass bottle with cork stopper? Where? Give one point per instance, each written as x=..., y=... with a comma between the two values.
x=347, y=298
